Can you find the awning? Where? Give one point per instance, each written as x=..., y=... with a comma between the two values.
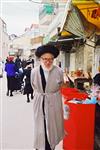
x=81, y=18
x=68, y=44
x=52, y=32
x=91, y=11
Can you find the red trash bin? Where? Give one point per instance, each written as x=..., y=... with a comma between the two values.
x=70, y=93
x=80, y=127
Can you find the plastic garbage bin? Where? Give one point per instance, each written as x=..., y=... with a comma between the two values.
x=80, y=127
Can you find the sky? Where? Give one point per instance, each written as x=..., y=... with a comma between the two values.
x=19, y=14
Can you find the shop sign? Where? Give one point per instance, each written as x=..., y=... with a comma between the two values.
x=49, y=9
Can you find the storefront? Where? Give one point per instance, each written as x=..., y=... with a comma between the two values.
x=81, y=20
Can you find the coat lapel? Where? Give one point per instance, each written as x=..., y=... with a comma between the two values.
x=42, y=78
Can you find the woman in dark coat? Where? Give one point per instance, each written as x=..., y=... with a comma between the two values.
x=28, y=88
x=10, y=69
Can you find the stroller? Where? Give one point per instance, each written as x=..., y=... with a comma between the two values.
x=19, y=84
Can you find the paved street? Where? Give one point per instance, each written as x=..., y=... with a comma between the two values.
x=17, y=123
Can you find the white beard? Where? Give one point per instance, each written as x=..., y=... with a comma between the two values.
x=46, y=69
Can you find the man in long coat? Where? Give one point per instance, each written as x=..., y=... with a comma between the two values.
x=46, y=81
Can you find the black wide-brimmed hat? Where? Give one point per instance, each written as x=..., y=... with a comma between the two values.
x=28, y=62
x=47, y=49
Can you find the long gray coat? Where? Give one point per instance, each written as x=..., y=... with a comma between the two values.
x=53, y=108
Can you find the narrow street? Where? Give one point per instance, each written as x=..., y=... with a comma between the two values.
x=63, y=33
x=17, y=123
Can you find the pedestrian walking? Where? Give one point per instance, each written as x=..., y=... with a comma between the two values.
x=23, y=63
x=28, y=90
x=10, y=69
x=32, y=62
x=96, y=78
x=18, y=63
x=46, y=80
x=96, y=81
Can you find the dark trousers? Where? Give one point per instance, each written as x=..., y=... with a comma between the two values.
x=47, y=145
x=10, y=83
x=28, y=94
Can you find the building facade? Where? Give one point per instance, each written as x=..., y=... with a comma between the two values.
x=23, y=45
x=85, y=56
x=4, y=40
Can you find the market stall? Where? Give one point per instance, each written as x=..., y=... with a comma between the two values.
x=80, y=121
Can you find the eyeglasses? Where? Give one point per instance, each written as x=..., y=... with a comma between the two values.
x=47, y=59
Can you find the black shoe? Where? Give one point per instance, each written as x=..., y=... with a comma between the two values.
x=28, y=100
x=31, y=96
x=7, y=93
x=11, y=94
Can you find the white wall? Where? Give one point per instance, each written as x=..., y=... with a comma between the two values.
x=72, y=62
x=4, y=40
x=96, y=59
